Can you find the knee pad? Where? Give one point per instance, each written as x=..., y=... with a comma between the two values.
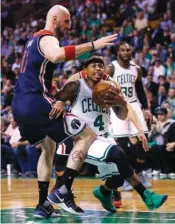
x=60, y=162
x=114, y=182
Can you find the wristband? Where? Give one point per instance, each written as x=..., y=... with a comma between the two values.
x=93, y=46
x=69, y=52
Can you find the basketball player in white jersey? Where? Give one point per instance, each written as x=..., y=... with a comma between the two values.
x=104, y=153
x=128, y=75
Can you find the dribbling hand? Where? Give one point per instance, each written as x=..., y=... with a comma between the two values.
x=57, y=110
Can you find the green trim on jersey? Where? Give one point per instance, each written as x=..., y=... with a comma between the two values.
x=102, y=157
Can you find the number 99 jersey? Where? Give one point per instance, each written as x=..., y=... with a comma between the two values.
x=126, y=78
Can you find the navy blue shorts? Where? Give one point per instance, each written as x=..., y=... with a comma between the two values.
x=66, y=147
x=31, y=111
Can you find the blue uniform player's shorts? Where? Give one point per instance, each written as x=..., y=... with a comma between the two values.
x=31, y=111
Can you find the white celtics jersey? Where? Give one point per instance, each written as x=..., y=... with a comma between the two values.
x=96, y=117
x=126, y=78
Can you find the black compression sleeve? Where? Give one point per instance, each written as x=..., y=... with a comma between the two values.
x=141, y=94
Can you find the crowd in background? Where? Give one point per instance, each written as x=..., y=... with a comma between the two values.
x=142, y=23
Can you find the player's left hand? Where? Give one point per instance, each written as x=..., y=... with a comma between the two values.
x=114, y=98
x=141, y=136
x=148, y=115
x=57, y=110
x=170, y=147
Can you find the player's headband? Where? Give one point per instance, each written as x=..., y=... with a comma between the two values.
x=93, y=60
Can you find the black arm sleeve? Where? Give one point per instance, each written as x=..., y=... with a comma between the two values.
x=68, y=92
x=141, y=94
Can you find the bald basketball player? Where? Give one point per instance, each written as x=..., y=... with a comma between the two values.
x=38, y=115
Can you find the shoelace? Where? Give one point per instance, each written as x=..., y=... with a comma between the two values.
x=70, y=200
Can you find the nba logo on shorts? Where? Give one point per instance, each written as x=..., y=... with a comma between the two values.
x=75, y=124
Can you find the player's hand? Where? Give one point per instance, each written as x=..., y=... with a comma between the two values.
x=105, y=41
x=141, y=136
x=148, y=115
x=170, y=147
x=114, y=98
x=57, y=110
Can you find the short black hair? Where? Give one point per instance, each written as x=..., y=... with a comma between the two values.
x=122, y=43
x=95, y=57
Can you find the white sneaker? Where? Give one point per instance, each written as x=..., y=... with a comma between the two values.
x=171, y=175
x=146, y=172
x=127, y=186
x=144, y=181
x=156, y=172
x=164, y=175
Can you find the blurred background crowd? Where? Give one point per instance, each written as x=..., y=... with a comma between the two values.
x=148, y=25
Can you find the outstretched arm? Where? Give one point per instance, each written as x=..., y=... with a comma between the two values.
x=49, y=46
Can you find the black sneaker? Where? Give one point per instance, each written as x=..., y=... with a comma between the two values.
x=45, y=211
x=64, y=201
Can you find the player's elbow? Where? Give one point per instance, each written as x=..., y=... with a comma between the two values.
x=57, y=57
x=121, y=112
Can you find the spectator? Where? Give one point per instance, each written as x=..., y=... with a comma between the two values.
x=16, y=64
x=169, y=67
x=163, y=82
x=151, y=85
x=162, y=95
x=159, y=70
x=163, y=152
x=171, y=101
x=141, y=22
x=136, y=40
x=166, y=22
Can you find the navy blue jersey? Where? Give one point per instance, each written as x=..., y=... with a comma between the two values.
x=35, y=70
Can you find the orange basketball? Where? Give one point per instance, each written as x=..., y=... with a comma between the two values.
x=100, y=90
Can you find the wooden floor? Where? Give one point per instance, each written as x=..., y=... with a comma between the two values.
x=19, y=195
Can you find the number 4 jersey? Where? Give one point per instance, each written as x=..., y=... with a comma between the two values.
x=126, y=78
x=96, y=117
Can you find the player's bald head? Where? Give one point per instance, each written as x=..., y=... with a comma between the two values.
x=57, y=11
x=58, y=20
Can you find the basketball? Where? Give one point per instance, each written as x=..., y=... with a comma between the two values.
x=101, y=89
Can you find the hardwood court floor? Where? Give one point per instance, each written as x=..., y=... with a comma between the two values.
x=19, y=197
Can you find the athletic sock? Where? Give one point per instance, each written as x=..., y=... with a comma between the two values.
x=57, y=182
x=140, y=190
x=67, y=178
x=43, y=187
x=104, y=191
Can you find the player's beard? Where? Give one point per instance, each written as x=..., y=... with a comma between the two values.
x=59, y=32
x=124, y=59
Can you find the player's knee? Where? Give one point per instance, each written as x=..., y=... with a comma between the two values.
x=117, y=155
x=60, y=162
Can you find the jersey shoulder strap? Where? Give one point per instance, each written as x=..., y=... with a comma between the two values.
x=43, y=33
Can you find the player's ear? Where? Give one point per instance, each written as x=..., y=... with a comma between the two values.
x=85, y=69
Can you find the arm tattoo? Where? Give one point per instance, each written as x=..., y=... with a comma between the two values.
x=68, y=92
